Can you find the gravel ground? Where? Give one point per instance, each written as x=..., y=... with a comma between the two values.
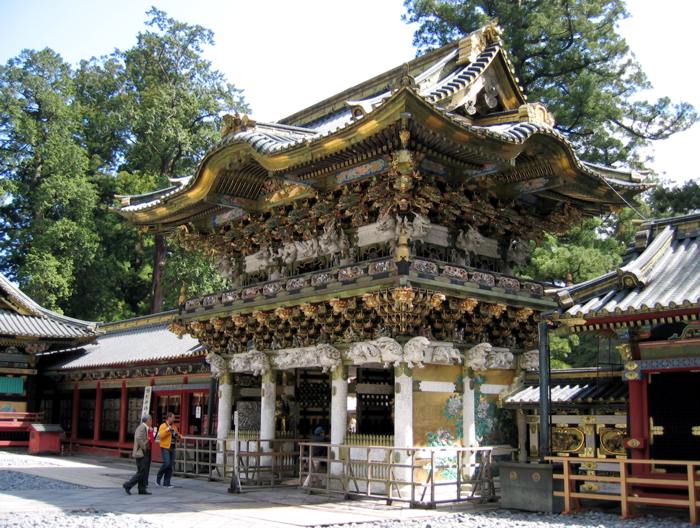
x=16, y=480
x=73, y=519
x=511, y=519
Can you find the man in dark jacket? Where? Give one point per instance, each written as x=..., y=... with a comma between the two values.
x=141, y=454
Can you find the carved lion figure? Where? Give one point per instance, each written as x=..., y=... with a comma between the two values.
x=383, y=350
x=216, y=363
x=253, y=361
x=477, y=356
x=446, y=354
x=414, y=351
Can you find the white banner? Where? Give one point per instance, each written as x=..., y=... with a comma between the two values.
x=146, y=407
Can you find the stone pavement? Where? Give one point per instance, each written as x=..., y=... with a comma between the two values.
x=192, y=502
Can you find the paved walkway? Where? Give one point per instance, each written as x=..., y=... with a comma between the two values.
x=192, y=502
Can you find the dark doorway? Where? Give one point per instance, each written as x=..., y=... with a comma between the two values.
x=375, y=401
x=674, y=411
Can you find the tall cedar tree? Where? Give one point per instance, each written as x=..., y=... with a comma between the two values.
x=47, y=227
x=570, y=56
x=71, y=140
x=170, y=103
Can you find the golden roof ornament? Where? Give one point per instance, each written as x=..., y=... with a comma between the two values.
x=535, y=113
x=477, y=41
x=235, y=123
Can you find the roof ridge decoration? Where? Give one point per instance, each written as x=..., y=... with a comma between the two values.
x=471, y=45
x=236, y=123
x=636, y=273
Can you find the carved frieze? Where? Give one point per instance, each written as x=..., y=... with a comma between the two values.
x=484, y=357
x=254, y=362
x=324, y=356
x=383, y=350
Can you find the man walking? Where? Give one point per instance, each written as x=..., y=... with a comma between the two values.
x=149, y=453
x=141, y=449
x=168, y=435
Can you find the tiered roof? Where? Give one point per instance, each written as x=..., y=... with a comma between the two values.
x=440, y=97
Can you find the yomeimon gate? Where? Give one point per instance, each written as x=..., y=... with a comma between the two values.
x=371, y=243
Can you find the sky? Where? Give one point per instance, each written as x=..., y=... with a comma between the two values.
x=287, y=55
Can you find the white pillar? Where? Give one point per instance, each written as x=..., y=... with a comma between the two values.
x=267, y=406
x=468, y=423
x=339, y=404
x=267, y=414
x=403, y=407
x=339, y=412
x=225, y=407
x=403, y=420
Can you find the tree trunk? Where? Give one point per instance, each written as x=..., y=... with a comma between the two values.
x=158, y=265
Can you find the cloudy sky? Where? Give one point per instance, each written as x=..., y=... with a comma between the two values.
x=287, y=55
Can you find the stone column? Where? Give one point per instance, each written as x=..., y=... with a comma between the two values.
x=224, y=410
x=339, y=404
x=339, y=411
x=403, y=406
x=468, y=422
x=267, y=413
x=267, y=406
x=403, y=418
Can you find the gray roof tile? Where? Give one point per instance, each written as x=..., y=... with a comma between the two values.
x=665, y=275
x=135, y=345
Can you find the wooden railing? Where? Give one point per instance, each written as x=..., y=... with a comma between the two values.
x=260, y=463
x=423, y=477
x=7, y=418
x=630, y=482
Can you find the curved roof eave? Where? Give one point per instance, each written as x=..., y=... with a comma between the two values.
x=28, y=305
x=242, y=145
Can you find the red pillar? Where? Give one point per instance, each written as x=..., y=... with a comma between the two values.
x=98, y=412
x=184, y=412
x=636, y=417
x=75, y=413
x=123, y=413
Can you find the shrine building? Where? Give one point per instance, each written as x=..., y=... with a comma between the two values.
x=372, y=243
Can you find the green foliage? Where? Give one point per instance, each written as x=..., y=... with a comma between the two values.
x=674, y=201
x=192, y=269
x=570, y=56
x=48, y=235
x=586, y=251
x=173, y=97
x=71, y=140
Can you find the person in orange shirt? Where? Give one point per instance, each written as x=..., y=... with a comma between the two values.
x=168, y=436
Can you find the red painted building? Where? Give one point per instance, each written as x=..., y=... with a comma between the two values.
x=98, y=392
x=26, y=331
x=652, y=305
